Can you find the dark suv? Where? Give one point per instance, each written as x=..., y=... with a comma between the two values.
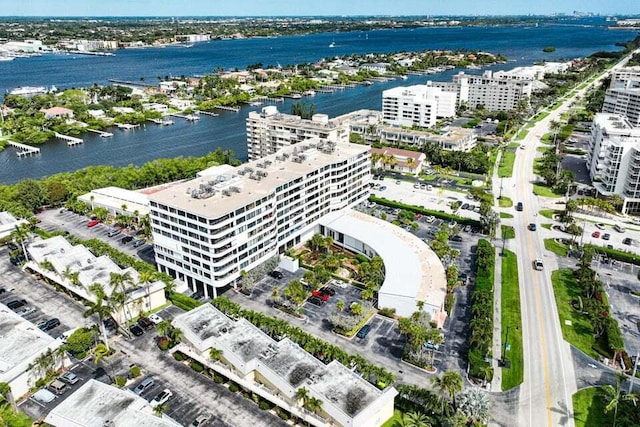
x=49, y=324
x=126, y=239
x=519, y=207
x=276, y=275
x=16, y=304
x=145, y=323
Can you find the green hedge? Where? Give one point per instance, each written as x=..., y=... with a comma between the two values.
x=424, y=211
x=482, y=306
x=183, y=301
x=616, y=254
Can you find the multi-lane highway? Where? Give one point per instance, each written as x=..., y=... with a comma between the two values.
x=549, y=378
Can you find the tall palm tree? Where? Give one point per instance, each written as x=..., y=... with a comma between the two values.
x=101, y=308
x=163, y=328
x=615, y=395
x=5, y=395
x=176, y=334
x=452, y=383
x=312, y=404
x=21, y=235
x=301, y=395
x=145, y=279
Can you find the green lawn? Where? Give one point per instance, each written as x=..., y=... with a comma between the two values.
x=580, y=332
x=505, y=202
x=12, y=418
x=504, y=215
x=541, y=190
x=542, y=149
x=522, y=134
x=555, y=247
x=541, y=116
x=508, y=232
x=395, y=420
x=547, y=226
x=549, y=213
x=505, y=167
x=511, y=319
x=588, y=409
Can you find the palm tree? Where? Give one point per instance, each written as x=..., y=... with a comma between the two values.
x=301, y=395
x=312, y=404
x=5, y=395
x=101, y=308
x=176, y=334
x=159, y=410
x=145, y=279
x=215, y=353
x=21, y=234
x=340, y=305
x=414, y=419
x=615, y=395
x=452, y=383
x=163, y=328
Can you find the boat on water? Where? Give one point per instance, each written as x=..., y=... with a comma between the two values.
x=332, y=44
x=6, y=58
x=309, y=93
x=28, y=90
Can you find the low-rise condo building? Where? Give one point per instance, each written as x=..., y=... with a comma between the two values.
x=21, y=344
x=614, y=159
x=8, y=224
x=395, y=159
x=276, y=370
x=418, y=105
x=451, y=139
x=76, y=269
x=208, y=230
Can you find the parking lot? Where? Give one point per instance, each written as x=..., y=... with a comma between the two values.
x=43, y=301
x=64, y=220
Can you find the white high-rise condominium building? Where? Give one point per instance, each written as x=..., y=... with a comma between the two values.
x=492, y=93
x=625, y=78
x=418, y=105
x=623, y=101
x=269, y=130
x=614, y=159
x=208, y=230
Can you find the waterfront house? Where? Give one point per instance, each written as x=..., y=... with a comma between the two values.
x=57, y=113
x=96, y=114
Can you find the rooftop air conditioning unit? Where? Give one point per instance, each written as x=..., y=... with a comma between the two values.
x=260, y=165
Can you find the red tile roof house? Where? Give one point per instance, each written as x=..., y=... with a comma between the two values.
x=57, y=112
x=395, y=159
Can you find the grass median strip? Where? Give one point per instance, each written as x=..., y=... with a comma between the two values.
x=555, y=247
x=505, y=202
x=576, y=327
x=505, y=215
x=589, y=408
x=512, y=321
x=505, y=169
x=542, y=191
x=508, y=232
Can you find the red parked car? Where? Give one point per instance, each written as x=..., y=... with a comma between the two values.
x=596, y=234
x=323, y=297
x=93, y=223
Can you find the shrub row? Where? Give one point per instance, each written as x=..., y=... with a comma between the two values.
x=481, y=324
x=183, y=301
x=616, y=254
x=419, y=209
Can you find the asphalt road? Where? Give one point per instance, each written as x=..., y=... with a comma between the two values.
x=549, y=378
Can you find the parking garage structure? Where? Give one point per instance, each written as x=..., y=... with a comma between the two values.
x=413, y=272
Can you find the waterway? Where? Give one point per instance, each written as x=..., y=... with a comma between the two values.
x=522, y=45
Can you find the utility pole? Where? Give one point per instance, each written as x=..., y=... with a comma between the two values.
x=633, y=375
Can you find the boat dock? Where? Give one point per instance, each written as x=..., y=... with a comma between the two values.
x=126, y=126
x=227, y=108
x=101, y=133
x=71, y=140
x=208, y=113
x=161, y=122
x=130, y=83
x=24, y=149
x=189, y=117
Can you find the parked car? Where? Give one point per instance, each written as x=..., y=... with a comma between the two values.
x=109, y=323
x=112, y=233
x=327, y=290
x=318, y=294
x=155, y=318
x=606, y=236
x=145, y=323
x=15, y=304
x=58, y=386
x=467, y=228
x=456, y=238
x=138, y=243
x=26, y=310
x=144, y=385
x=619, y=228
x=382, y=188
x=364, y=331
x=627, y=241
x=136, y=330
x=93, y=223
x=126, y=239
x=47, y=325
x=315, y=301
x=201, y=420
x=600, y=226
x=276, y=275
x=69, y=378
x=595, y=234
x=161, y=398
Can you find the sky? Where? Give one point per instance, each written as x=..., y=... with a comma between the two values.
x=309, y=7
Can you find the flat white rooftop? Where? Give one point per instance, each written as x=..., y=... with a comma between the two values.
x=96, y=404
x=412, y=269
x=115, y=197
x=20, y=342
x=224, y=193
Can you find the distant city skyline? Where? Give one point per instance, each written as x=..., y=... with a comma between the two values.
x=300, y=8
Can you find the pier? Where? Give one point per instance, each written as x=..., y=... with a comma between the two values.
x=208, y=113
x=189, y=117
x=71, y=140
x=161, y=122
x=101, y=133
x=227, y=108
x=24, y=149
x=129, y=83
x=126, y=126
